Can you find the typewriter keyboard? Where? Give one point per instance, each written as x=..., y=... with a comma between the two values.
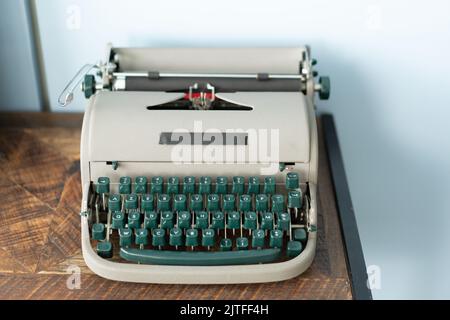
x=199, y=221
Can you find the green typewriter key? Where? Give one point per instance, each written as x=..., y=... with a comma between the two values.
x=125, y=235
x=118, y=220
x=300, y=235
x=258, y=238
x=269, y=185
x=292, y=181
x=226, y=244
x=151, y=220
x=98, y=231
x=158, y=237
x=196, y=202
x=189, y=185
x=125, y=185
x=141, y=237
x=180, y=201
x=212, y=202
x=201, y=220
x=238, y=185
x=204, y=186
x=250, y=220
x=218, y=220
x=167, y=220
x=157, y=185
x=140, y=185
x=105, y=249
x=134, y=220
x=131, y=201
x=242, y=243
x=276, y=239
x=103, y=189
x=295, y=199
x=234, y=220
x=176, y=237
x=147, y=202
x=283, y=221
x=229, y=202
x=102, y=185
x=184, y=220
x=173, y=185
x=253, y=185
x=191, y=238
x=262, y=202
x=114, y=202
x=267, y=221
x=208, y=238
x=163, y=202
x=245, y=203
x=278, y=203
x=294, y=248
x=221, y=185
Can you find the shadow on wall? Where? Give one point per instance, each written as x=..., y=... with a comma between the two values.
x=19, y=77
x=393, y=188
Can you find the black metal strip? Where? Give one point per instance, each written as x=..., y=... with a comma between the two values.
x=203, y=138
x=354, y=255
x=173, y=84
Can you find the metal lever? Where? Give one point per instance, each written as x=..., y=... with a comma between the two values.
x=66, y=95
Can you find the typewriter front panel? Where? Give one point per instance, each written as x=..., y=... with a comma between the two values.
x=125, y=127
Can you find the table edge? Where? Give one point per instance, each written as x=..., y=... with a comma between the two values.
x=356, y=266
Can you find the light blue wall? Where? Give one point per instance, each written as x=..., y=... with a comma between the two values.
x=19, y=89
x=389, y=65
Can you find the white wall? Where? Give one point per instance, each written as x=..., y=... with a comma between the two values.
x=389, y=65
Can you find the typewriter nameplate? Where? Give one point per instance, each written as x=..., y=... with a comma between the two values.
x=203, y=138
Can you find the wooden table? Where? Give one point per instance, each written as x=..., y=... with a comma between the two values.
x=40, y=226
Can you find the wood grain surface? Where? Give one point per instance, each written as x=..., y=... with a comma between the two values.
x=40, y=226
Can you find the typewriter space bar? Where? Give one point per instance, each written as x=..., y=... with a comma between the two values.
x=199, y=258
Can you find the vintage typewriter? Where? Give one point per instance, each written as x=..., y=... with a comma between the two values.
x=199, y=165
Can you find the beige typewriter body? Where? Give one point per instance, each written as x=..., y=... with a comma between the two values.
x=119, y=129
